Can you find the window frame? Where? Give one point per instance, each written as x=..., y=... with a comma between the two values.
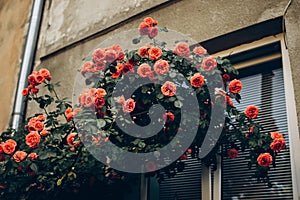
x=292, y=119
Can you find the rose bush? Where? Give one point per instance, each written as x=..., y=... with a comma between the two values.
x=49, y=155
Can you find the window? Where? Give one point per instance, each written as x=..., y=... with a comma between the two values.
x=263, y=87
x=265, y=72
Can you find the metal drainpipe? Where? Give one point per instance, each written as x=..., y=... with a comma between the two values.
x=27, y=62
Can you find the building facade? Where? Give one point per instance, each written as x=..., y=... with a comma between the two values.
x=71, y=29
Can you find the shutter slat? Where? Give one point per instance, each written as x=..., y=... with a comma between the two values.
x=185, y=185
x=237, y=181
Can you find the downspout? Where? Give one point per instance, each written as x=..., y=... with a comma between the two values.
x=27, y=62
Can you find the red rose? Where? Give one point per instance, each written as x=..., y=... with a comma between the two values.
x=182, y=49
x=183, y=157
x=121, y=99
x=31, y=80
x=70, y=117
x=33, y=139
x=85, y=99
x=168, y=88
x=68, y=111
x=87, y=67
x=39, y=78
x=100, y=92
x=197, y=80
x=25, y=92
x=39, y=125
x=209, y=63
x=225, y=78
x=149, y=21
x=168, y=117
x=278, y=144
x=19, y=156
x=275, y=135
x=199, y=51
x=144, y=28
x=45, y=73
x=144, y=70
x=99, y=102
x=11, y=141
x=235, y=86
x=151, y=166
x=119, y=52
x=41, y=118
x=153, y=32
x=111, y=55
x=264, y=159
x=127, y=67
x=251, y=112
x=72, y=141
x=129, y=105
x=161, y=67
x=155, y=53
x=98, y=55
x=33, y=156
x=143, y=51
x=44, y=133
x=9, y=146
x=228, y=100
x=34, y=90
x=118, y=72
x=99, y=66
x=232, y=153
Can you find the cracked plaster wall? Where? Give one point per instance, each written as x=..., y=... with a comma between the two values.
x=200, y=19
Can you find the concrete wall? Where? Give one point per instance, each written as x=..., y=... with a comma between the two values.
x=293, y=44
x=69, y=21
x=14, y=15
x=72, y=30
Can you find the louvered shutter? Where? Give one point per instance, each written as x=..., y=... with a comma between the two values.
x=266, y=90
x=185, y=185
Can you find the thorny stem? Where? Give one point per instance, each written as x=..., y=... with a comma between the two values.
x=63, y=113
x=44, y=109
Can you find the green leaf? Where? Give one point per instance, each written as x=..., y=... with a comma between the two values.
x=163, y=29
x=178, y=104
x=50, y=87
x=141, y=144
x=136, y=141
x=136, y=41
x=34, y=167
x=136, y=57
x=57, y=84
x=43, y=156
x=160, y=96
x=172, y=74
x=172, y=99
x=101, y=123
